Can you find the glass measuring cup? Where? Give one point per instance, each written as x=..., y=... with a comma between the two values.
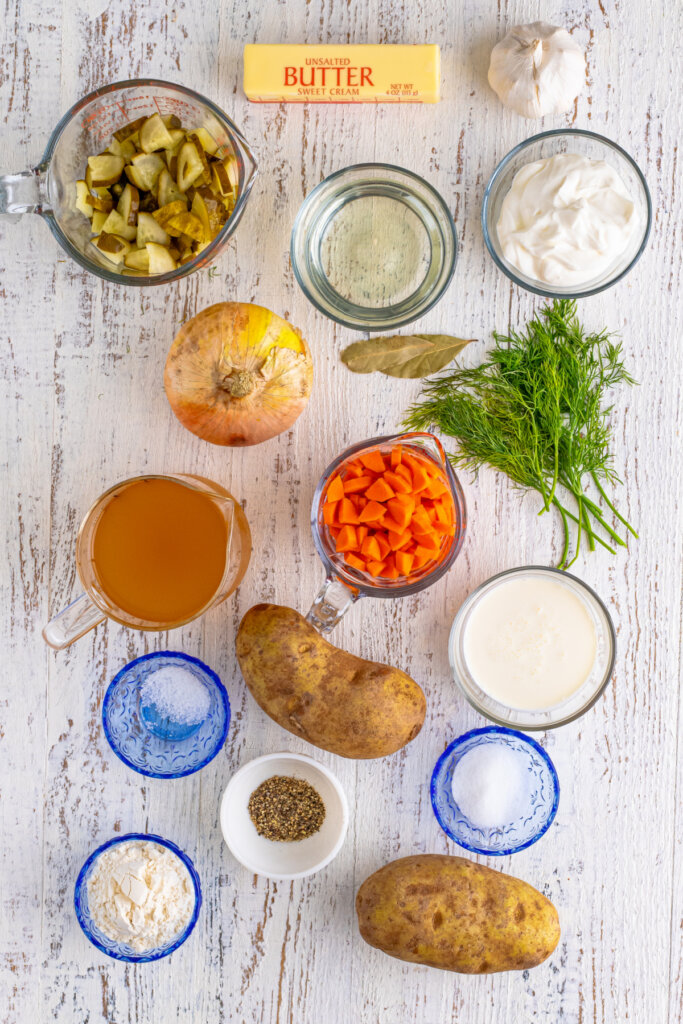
x=49, y=188
x=345, y=585
x=92, y=607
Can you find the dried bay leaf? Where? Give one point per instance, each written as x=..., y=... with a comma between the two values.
x=406, y=356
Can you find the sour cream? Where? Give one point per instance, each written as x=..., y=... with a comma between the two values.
x=566, y=220
x=530, y=643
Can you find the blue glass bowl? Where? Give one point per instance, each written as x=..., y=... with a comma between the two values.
x=121, y=950
x=529, y=827
x=137, y=745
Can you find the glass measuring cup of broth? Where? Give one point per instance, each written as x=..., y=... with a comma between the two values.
x=49, y=189
x=397, y=545
x=153, y=553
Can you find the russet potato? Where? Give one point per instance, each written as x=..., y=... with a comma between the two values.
x=454, y=914
x=331, y=698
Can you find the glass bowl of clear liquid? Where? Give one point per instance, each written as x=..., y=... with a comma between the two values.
x=374, y=246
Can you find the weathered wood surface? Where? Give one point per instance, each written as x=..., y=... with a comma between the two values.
x=83, y=406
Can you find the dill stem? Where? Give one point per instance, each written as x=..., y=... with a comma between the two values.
x=575, y=520
x=603, y=522
x=611, y=506
x=565, y=550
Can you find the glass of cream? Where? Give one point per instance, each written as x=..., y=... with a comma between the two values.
x=532, y=647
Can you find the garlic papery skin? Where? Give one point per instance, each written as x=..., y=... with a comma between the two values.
x=537, y=69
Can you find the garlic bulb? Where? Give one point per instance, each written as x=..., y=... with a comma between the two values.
x=537, y=69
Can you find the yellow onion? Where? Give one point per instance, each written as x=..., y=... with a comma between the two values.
x=238, y=374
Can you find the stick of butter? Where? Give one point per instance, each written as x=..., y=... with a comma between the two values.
x=342, y=74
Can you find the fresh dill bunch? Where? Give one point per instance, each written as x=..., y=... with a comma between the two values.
x=536, y=410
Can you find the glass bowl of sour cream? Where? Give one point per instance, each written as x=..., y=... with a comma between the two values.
x=566, y=214
x=532, y=648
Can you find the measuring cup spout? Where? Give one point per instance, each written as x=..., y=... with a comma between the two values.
x=24, y=192
x=330, y=604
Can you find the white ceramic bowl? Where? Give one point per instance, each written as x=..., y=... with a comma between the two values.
x=266, y=856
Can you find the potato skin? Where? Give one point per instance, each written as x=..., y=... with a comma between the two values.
x=454, y=914
x=330, y=698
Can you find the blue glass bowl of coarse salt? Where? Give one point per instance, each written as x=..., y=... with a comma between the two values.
x=166, y=714
x=495, y=791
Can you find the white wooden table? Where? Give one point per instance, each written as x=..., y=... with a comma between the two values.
x=83, y=406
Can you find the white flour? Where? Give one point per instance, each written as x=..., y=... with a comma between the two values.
x=140, y=893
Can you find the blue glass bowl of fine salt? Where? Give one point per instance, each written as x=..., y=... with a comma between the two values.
x=166, y=714
x=495, y=791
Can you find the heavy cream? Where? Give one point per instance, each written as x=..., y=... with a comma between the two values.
x=566, y=220
x=530, y=642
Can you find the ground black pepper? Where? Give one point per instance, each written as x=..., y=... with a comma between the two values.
x=286, y=809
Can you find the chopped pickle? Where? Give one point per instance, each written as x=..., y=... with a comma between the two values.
x=129, y=204
x=99, y=219
x=100, y=199
x=82, y=194
x=149, y=231
x=209, y=144
x=186, y=224
x=160, y=259
x=115, y=224
x=190, y=165
x=129, y=129
x=154, y=135
x=136, y=194
x=112, y=246
x=144, y=169
x=104, y=169
x=137, y=259
x=167, y=190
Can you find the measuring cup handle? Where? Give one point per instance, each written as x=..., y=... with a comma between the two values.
x=24, y=192
x=333, y=601
x=71, y=623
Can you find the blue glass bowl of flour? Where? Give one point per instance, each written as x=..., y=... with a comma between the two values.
x=121, y=950
x=166, y=714
x=533, y=798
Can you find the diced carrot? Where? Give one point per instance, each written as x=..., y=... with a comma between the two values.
x=373, y=461
x=335, y=490
x=421, y=518
x=404, y=562
x=361, y=501
x=390, y=571
x=383, y=544
x=347, y=512
x=429, y=541
x=391, y=524
x=399, y=540
x=372, y=511
x=400, y=513
x=403, y=471
x=421, y=556
x=395, y=456
x=370, y=549
x=356, y=483
x=329, y=508
x=436, y=488
x=361, y=533
x=379, y=491
x=347, y=539
x=354, y=561
x=442, y=515
x=406, y=499
x=421, y=478
x=375, y=568
x=335, y=531
x=396, y=482
x=353, y=469
x=443, y=529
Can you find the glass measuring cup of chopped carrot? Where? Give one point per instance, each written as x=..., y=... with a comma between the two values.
x=388, y=520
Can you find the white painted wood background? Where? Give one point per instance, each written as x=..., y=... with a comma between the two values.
x=83, y=406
